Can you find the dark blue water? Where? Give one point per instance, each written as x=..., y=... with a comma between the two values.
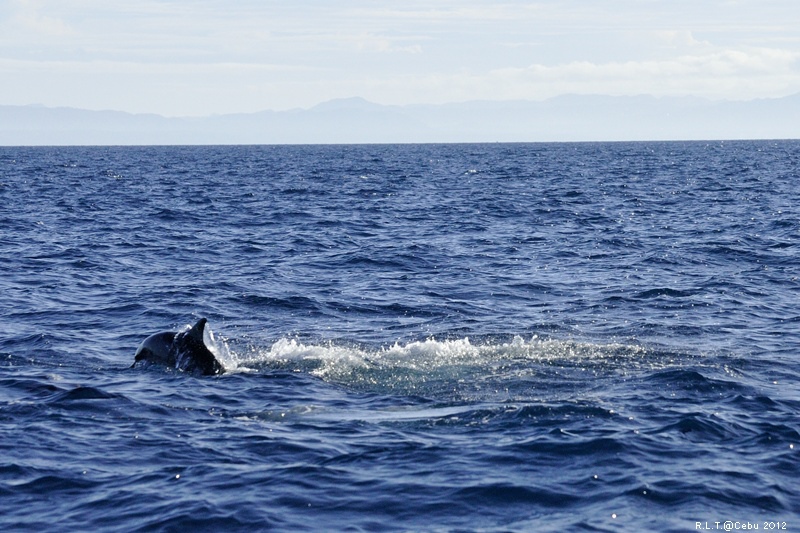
x=558, y=337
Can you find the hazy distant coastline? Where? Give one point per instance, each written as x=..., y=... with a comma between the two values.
x=355, y=120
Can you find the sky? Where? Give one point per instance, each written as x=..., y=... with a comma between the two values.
x=204, y=57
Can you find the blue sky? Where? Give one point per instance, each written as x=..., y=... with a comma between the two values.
x=201, y=57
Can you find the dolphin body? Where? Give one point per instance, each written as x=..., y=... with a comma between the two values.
x=184, y=351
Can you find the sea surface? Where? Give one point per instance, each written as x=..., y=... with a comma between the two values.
x=477, y=337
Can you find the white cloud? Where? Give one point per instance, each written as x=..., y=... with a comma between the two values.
x=679, y=39
x=202, y=56
x=725, y=74
x=28, y=16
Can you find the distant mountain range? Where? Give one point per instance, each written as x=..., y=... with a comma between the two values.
x=355, y=120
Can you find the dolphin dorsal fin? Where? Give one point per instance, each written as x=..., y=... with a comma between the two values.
x=196, y=333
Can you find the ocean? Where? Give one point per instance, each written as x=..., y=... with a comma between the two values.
x=456, y=337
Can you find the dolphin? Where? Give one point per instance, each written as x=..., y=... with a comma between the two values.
x=184, y=351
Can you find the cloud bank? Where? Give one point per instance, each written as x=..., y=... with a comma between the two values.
x=194, y=57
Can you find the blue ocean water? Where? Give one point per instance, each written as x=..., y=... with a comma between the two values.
x=480, y=337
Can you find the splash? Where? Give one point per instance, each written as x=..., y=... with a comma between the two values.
x=446, y=366
x=219, y=348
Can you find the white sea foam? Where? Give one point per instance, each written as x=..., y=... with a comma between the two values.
x=428, y=365
x=432, y=353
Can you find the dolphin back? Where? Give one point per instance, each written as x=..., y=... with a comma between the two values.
x=186, y=351
x=157, y=349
